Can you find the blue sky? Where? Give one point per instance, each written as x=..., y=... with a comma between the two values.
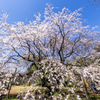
x=21, y=10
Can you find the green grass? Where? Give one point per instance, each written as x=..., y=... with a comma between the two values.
x=95, y=97
x=11, y=99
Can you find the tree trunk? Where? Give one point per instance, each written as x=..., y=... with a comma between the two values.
x=85, y=88
x=11, y=84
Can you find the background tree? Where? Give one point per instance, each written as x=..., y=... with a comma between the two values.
x=94, y=2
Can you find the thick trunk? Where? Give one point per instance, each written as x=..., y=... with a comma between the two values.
x=45, y=83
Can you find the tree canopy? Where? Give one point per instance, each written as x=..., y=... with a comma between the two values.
x=48, y=42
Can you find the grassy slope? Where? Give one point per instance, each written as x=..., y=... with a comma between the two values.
x=21, y=89
x=18, y=89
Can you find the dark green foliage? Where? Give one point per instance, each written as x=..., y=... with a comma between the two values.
x=11, y=97
x=94, y=97
x=56, y=94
